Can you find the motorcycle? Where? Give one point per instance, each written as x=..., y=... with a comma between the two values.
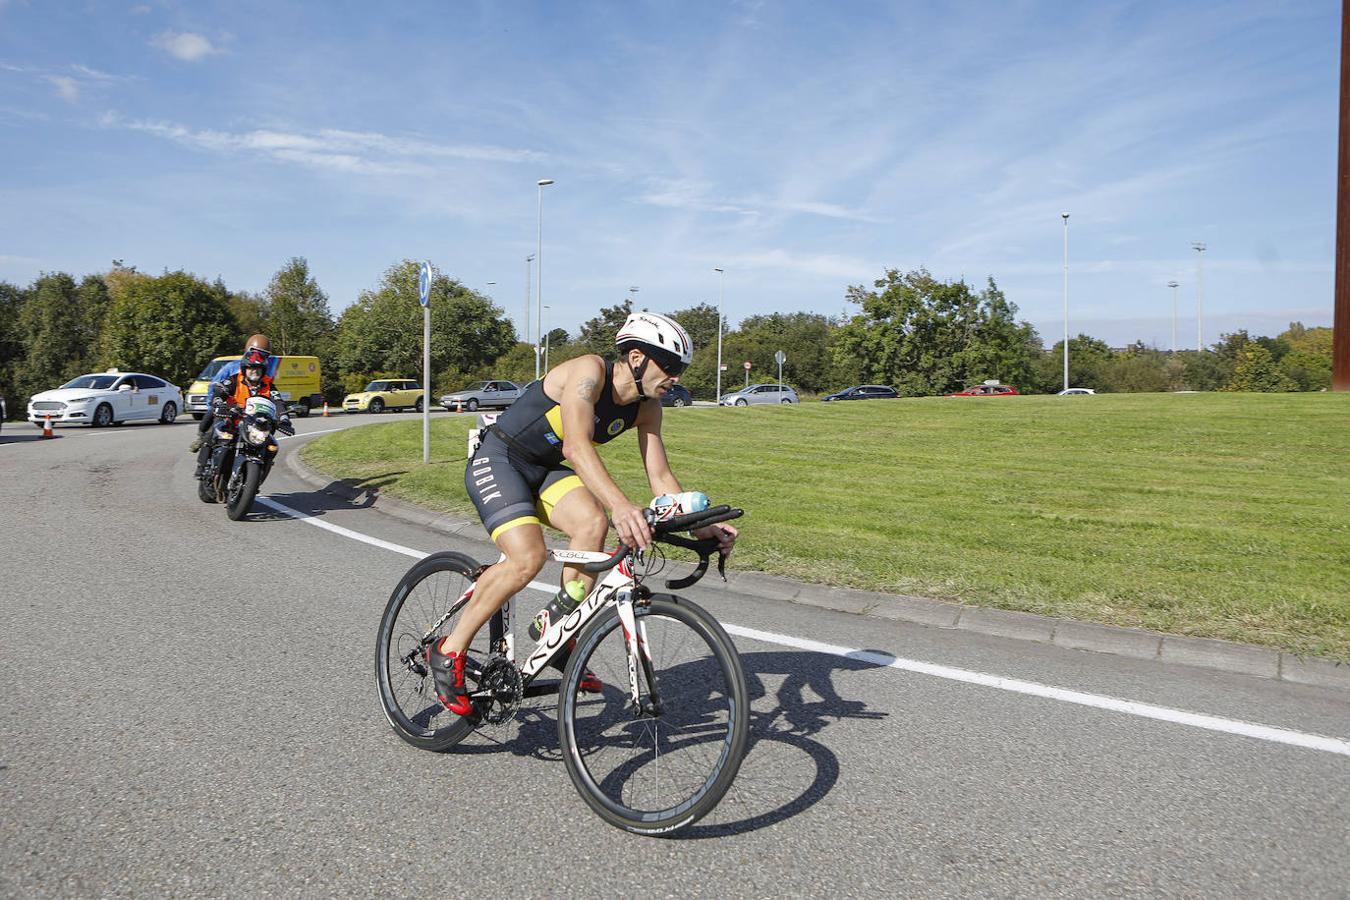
x=241, y=459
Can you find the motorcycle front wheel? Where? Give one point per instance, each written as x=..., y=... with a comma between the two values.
x=240, y=502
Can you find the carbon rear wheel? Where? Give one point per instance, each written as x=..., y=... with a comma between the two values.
x=661, y=767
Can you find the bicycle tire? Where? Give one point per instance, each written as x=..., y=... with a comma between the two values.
x=408, y=698
x=590, y=726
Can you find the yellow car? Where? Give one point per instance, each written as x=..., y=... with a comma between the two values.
x=394, y=393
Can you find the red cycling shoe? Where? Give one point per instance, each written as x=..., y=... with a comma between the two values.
x=447, y=671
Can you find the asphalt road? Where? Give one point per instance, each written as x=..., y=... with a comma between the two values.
x=188, y=707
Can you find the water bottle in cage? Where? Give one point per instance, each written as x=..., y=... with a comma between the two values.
x=562, y=603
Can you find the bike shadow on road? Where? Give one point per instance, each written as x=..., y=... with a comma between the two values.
x=775, y=783
x=793, y=700
x=6, y=438
x=324, y=500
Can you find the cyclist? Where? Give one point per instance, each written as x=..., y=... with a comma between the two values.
x=251, y=380
x=538, y=464
x=231, y=368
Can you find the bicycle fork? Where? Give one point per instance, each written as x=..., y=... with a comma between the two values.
x=639, y=655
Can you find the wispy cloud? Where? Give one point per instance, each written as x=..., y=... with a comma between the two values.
x=336, y=150
x=67, y=88
x=697, y=197
x=185, y=45
x=851, y=269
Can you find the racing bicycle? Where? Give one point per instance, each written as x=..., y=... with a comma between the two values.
x=657, y=745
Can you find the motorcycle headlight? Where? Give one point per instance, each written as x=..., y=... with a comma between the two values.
x=257, y=433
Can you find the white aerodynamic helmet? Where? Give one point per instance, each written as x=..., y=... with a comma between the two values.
x=659, y=337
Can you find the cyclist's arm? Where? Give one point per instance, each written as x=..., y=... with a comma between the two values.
x=580, y=391
x=662, y=480
x=653, y=450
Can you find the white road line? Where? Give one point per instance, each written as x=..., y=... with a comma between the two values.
x=1030, y=688
x=1130, y=707
x=301, y=434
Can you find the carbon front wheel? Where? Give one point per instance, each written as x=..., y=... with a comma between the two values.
x=422, y=609
x=660, y=767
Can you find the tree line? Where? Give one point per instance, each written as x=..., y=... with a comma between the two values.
x=910, y=330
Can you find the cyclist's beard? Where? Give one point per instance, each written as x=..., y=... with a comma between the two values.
x=253, y=377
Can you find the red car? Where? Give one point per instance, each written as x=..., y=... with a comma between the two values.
x=988, y=389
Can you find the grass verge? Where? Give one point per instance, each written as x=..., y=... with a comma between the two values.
x=1216, y=515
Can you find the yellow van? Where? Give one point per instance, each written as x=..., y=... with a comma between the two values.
x=295, y=377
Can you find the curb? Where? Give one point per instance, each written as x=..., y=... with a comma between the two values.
x=1205, y=653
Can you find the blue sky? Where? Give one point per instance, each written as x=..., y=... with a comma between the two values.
x=801, y=146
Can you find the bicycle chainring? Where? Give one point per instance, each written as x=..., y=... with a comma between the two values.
x=504, y=688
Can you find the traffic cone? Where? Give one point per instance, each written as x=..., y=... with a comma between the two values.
x=325, y=409
x=47, y=427
x=459, y=406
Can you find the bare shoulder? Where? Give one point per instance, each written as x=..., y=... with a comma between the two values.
x=580, y=378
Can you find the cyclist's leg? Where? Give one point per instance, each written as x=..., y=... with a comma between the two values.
x=523, y=547
x=569, y=506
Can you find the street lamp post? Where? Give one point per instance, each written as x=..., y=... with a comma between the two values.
x=1173, y=286
x=539, y=255
x=545, y=341
x=721, y=285
x=525, y=325
x=1066, y=299
x=1199, y=249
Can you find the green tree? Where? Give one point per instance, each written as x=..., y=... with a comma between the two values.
x=12, y=298
x=1088, y=360
x=169, y=326
x=597, y=334
x=804, y=339
x=53, y=333
x=298, y=320
x=1140, y=370
x=1308, y=371
x=382, y=330
x=924, y=336
x=1256, y=370
x=700, y=323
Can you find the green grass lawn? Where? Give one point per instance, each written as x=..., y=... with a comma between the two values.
x=1221, y=515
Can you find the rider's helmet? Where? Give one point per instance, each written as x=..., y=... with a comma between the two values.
x=660, y=338
x=261, y=341
x=253, y=365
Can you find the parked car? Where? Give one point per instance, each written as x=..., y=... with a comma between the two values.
x=863, y=392
x=484, y=393
x=988, y=389
x=760, y=393
x=1068, y=391
x=107, y=398
x=394, y=393
x=678, y=395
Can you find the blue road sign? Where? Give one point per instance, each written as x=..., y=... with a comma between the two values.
x=424, y=284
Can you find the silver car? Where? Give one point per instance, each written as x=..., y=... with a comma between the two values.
x=760, y=393
x=484, y=394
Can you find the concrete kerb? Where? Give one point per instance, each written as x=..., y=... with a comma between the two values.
x=1205, y=653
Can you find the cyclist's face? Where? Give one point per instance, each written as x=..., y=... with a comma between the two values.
x=658, y=379
x=253, y=374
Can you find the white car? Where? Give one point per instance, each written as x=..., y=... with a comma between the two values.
x=107, y=398
x=760, y=393
x=1076, y=391
x=484, y=393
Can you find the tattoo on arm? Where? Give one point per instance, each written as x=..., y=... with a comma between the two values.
x=586, y=389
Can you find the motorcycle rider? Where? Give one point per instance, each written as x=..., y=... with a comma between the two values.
x=251, y=380
x=258, y=342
